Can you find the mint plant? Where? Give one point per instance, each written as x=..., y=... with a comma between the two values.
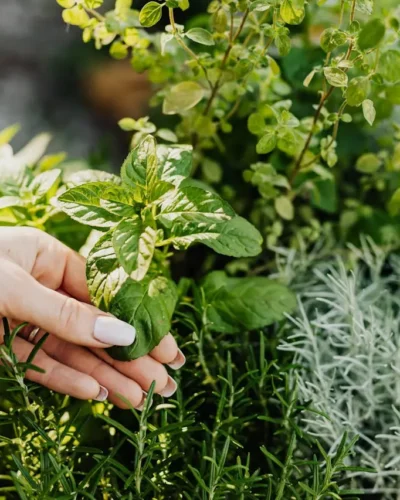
x=153, y=206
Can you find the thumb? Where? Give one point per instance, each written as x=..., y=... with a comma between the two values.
x=22, y=298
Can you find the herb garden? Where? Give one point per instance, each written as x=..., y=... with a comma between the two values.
x=256, y=217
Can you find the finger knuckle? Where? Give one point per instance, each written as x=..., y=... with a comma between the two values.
x=67, y=314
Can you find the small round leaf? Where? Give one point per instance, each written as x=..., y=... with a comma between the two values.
x=284, y=207
x=332, y=38
x=369, y=111
x=200, y=35
x=357, y=91
x=150, y=14
x=336, y=77
x=182, y=97
x=266, y=144
x=371, y=34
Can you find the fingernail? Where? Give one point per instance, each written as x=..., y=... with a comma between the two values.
x=112, y=331
x=170, y=389
x=178, y=362
x=103, y=394
x=143, y=402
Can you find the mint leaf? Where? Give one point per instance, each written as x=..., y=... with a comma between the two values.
x=44, y=186
x=140, y=167
x=147, y=305
x=235, y=305
x=10, y=201
x=12, y=178
x=134, y=245
x=235, y=238
x=174, y=163
x=84, y=176
x=104, y=274
x=119, y=200
x=83, y=204
x=191, y=204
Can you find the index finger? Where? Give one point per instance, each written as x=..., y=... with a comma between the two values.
x=59, y=267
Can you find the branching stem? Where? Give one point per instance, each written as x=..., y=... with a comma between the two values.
x=217, y=84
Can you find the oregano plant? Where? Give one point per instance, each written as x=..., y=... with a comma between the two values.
x=256, y=61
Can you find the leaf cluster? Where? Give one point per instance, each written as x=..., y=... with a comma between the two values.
x=151, y=206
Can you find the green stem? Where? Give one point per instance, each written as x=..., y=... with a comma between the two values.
x=185, y=47
x=324, y=97
x=225, y=59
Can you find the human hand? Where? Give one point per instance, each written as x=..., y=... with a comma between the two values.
x=43, y=282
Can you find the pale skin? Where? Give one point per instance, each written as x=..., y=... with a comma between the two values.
x=42, y=282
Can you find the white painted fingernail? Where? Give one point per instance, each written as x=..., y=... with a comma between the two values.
x=112, y=331
x=178, y=362
x=170, y=388
x=103, y=394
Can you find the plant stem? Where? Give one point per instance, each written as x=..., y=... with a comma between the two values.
x=95, y=14
x=341, y=13
x=353, y=10
x=217, y=85
x=283, y=480
x=334, y=134
x=239, y=100
x=324, y=97
x=185, y=47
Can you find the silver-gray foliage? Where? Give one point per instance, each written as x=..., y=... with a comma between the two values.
x=346, y=339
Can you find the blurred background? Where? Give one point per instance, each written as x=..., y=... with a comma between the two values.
x=39, y=84
x=50, y=81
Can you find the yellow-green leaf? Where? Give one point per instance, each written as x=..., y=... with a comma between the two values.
x=182, y=97
x=50, y=161
x=266, y=144
x=66, y=4
x=183, y=4
x=292, y=11
x=369, y=111
x=8, y=133
x=118, y=50
x=76, y=16
x=127, y=124
x=122, y=6
x=150, y=14
x=200, y=35
x=284, y=207
x=368, y=163
x=336, y=77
